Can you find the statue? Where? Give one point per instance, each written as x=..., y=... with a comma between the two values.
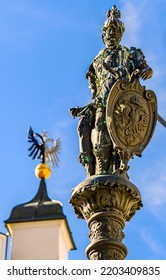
x=114, y=62
x=117, y=125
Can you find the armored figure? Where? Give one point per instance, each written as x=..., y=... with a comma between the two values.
x=113, y=63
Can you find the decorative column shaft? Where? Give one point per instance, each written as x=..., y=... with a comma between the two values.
x=106, y=202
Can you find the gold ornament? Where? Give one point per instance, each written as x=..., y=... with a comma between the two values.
x=42, y=171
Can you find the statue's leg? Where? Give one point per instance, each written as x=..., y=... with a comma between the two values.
x=86, y=152
x=102, y=144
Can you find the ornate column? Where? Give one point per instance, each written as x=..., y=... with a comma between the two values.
x=106, y=202
x=114, y=127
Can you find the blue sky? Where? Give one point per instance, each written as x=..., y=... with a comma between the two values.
x=46, y=48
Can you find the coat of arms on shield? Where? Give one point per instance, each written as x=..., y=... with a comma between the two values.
x=131, y=117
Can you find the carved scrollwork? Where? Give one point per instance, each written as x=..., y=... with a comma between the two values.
x=106, y=202
x=107, y=255
x=106, y=193
x=123, y=85
x=149, y=94
x=105, y=228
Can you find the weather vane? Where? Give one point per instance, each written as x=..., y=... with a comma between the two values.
x=45, y=149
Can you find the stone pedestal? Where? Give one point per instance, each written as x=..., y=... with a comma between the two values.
x=106, y=202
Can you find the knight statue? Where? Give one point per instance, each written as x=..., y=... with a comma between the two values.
x=115, y=62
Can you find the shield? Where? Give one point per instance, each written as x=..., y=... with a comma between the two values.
x=131, y=116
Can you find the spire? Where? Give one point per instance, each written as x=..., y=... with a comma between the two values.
x=41, y=207
x=38, y=228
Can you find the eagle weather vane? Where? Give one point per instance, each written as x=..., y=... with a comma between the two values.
x=43, y=148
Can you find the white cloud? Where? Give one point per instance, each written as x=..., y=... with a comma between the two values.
x=151, y=242
x=144, y=30
x=132, y=22
x=148, y=174
x=154, y=191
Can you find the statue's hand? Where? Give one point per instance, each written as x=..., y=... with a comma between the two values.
x=74, y=112
x=146, y=73
x=135, y=72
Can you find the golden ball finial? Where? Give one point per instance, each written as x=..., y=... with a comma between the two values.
x=42, y=171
